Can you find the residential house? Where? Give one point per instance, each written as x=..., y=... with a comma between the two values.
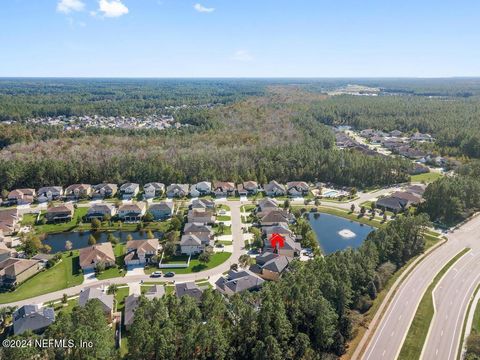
x=98, y=253
x=419, y=169
x=49, y=193
x=131, y=304
x=141, y=251
x=200, y=189
x=267, y=204
x=105, y=190
x=416, y=189
x=395, y=133
x=412, y=198
x=9, y=221
x=367, y=132
x=201, y=216
x=132, y=212
x=21, y=196
x=14, y=271
x=247, y=188
x=162, y=210
x=188, y=289
x=132, y=301
x=190, y=245
x=273, y=188
x=297, y=188
x=203, y=204
x=275, y=217
x=6, y=252
x=376, y=139
x=60, y=213
x=201, y=231
x=93, y=293
x=32, y=318
x=155, y=292
x=281, y=229
x=270, y=266
x=223, y=189
x=238, y=281
x=411, y=153
x=177, y=190
x=391, y=203
x=78, y=191
x=290, y=248
x=101, y=211
x=129, y=191
x=421, y=137
x=153, y=189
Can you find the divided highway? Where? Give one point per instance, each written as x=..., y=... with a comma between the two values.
x=451, y=298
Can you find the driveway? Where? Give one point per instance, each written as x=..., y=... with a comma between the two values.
x=89, y=277
x=135, y=270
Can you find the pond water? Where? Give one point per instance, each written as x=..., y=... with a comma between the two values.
x=335, y=233
x=80, y=239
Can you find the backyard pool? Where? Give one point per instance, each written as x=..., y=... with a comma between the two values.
x=331, y=193
x=335, y=233
x=80, y=239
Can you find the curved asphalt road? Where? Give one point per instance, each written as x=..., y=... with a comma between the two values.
x=452, y=295
x=238, y=250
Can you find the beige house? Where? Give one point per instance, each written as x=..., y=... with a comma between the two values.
x=76, y=191
x=22, y=196
x=141, y=251
x=14, y=271
x=60, y=213
x=132, y=212
x=201, y=216
x=92, y=255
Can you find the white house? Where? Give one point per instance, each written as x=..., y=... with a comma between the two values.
x=153, y=189
x=129, y=190
x=201, y=188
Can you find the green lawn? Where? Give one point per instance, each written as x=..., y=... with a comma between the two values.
x=65, y=308
x=224, y=218
x=247, y=208
x=417, y=333
x=427, y=177
x=120, y=296
x=119, y=251
x=223, y=207
x=227, y=230
x=61, y=227
x=29, y=219
x=64, y=274
x=476, y=320
x=195, y=266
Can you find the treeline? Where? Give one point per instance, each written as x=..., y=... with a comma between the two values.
x=27, y=98
x=303, y=152
x=311, y=313
x=450, y=200
x=453, y=122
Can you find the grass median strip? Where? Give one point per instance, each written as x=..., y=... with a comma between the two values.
x=475, y=323
x=417, y=333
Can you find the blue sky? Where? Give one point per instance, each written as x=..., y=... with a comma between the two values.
x=240, y=38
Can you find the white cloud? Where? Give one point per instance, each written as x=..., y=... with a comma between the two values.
x=203, y=9
x=67, y=6
x=242, y=55
x=112, y=8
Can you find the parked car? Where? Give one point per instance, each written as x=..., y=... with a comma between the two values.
x=169, y=274
x=156, y=274
x=219, y=245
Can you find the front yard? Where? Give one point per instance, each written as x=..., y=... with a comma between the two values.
x=195, y=265
x=118, y=271
x=66, y=273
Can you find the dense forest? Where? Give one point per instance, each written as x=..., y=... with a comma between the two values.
x=260, y=138
x=310, y=313
x=450, y=200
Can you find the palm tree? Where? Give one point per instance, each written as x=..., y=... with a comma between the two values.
x=244, y=260
x=112, y=289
